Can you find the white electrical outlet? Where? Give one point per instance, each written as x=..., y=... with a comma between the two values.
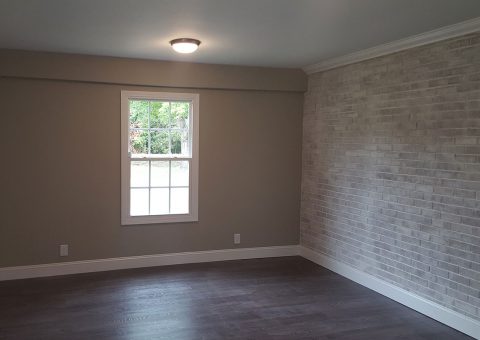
x=64, y=250
x=236, y=238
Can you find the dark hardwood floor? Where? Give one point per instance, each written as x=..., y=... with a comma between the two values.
x=277, y=298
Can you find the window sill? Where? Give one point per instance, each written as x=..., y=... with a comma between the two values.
x=134, y=220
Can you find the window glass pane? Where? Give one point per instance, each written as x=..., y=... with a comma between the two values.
x=179, y=117
x=138, y=141
x=159, y=114
x=139, y=174
x=138, y=113
x=179, y=142
x=159, y=142
x=159, y=175
x=159, y=201
x=138, y=202
x=180, y=176
x=179, y=201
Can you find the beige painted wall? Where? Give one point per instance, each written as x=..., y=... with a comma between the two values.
x=42, y=65
x=60, y=174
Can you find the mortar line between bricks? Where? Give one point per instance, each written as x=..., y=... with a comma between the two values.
x=377, y=179
x=403, y=91
x=420, y=199
x=408, y=159
x=430, y=193
x=439, y=202
x=352, y=226
x=419, y=240
x=369, y=224
x=396, y=242
x=429, y=226
x=372, y=153
x=434, y=226
x=392, y=173
x=388, y=201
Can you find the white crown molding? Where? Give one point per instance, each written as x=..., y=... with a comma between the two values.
x=429, y=37
x=76, y=267
x=437, y=312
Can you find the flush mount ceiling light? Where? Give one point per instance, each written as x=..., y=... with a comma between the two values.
x=185, y=45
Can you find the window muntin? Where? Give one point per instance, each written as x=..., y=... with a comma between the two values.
x=156, y=186
x=160, y=165
x=159, y=128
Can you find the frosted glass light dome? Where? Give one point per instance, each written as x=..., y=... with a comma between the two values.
x=185, y=45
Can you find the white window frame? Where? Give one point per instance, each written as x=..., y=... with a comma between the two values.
x=192, y=216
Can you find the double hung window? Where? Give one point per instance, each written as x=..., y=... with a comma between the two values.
x=159, y=157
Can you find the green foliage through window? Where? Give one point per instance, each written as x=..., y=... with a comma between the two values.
x=159, y=127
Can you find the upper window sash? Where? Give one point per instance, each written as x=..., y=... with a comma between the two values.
x=160, y=127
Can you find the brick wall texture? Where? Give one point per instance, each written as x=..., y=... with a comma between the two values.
x=391, y=169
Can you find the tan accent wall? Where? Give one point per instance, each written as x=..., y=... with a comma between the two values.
x=60, y=173
x=148, y=72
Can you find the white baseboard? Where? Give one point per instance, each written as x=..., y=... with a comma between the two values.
x=76, y=267
x=435, y=311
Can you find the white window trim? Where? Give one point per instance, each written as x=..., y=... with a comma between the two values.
x=126, y=219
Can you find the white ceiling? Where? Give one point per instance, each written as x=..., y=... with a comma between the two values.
x=282, y=33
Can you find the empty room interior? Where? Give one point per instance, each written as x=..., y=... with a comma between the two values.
x=254, y=169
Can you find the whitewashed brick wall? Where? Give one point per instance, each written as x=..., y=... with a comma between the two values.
x=391, y=169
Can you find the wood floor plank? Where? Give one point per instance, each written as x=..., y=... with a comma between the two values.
x=275, y=298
